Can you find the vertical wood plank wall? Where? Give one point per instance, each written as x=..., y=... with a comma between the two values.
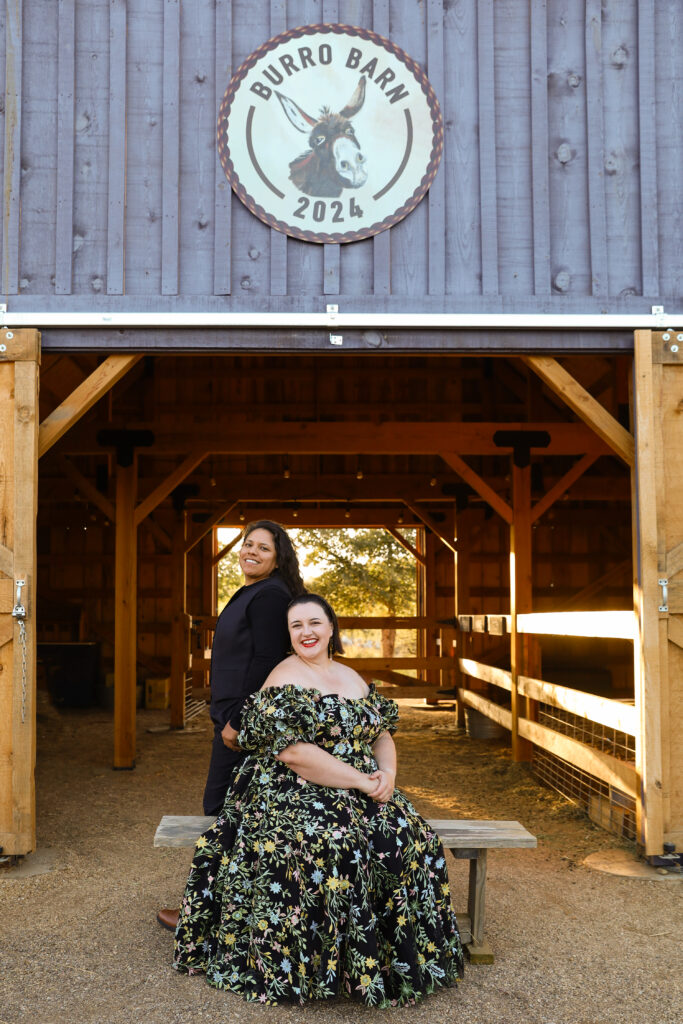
x=559, y=183
x=18, y=508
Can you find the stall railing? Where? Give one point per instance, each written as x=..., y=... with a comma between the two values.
x=588, y=740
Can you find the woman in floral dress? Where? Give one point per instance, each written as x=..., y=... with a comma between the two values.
x=318, y=878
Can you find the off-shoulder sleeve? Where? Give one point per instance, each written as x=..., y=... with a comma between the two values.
x=387, y=710
x=274, y=718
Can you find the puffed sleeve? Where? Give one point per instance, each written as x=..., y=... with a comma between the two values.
x=386, y=709
x=274, y=718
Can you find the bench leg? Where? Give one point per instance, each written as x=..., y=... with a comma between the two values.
x=478, y=949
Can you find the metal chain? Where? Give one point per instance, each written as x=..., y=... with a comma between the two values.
x=22, y=641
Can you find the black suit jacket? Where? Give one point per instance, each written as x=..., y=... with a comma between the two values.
x=250, y=639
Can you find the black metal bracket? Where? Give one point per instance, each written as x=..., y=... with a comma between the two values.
x=521, y=442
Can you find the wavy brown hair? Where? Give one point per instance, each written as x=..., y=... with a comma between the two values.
x=287, y=561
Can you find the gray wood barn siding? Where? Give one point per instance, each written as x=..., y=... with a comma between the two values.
x=559, y=190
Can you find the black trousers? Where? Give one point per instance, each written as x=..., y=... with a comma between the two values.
x=222, y=768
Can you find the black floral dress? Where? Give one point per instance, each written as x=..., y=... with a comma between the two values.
x=300, y=891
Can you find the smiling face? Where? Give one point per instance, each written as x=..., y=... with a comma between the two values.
x=258, y=556
x=310, y=630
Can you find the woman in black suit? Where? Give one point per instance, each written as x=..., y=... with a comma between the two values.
x=250, y=639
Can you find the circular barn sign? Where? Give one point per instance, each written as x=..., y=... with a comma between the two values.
x=330, y=133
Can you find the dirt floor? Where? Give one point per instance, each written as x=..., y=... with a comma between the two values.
x=79, y=943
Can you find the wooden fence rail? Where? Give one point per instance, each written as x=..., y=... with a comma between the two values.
x=613, y=625
x=611, y=713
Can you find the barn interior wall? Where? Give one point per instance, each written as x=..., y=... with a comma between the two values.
x=581, y=544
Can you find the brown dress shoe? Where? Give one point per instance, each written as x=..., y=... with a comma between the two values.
x=168, y=918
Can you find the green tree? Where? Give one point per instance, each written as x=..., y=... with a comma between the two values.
x=229, y=577
x=362, y=572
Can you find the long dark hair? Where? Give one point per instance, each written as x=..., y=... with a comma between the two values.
x=335, y=641
x=287, y=562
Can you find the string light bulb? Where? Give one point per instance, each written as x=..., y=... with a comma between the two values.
x=432, y=482
x=359, y=474
x=286, y=473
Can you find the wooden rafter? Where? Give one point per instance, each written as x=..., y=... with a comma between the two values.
x=480, y=486
x=406, y=544
x=435, y=527
x=561, y=486
x=83, y=398
x=161, y=492
x=208, y=526
x=226, y=550
x=584, y=405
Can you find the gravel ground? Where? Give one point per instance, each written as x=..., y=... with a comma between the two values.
x=80, y=944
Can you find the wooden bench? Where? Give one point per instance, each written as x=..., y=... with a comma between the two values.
x=467, y=840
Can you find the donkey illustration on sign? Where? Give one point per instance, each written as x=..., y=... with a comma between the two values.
x=334, y=160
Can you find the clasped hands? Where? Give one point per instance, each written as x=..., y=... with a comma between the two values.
x=382, y=785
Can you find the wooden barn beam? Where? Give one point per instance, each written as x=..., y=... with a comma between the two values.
x=562, y=485
x=522, y=648
x=444, y=535
x=397, y=535
x=483, y=489
x=163, y=490
x=82, y=399
x=587, y=408
x=88, y=490
x=204, y=528
x=230, y=436
x=19, y=367
x=180, y=632
x=375, y=516
x=125, y=617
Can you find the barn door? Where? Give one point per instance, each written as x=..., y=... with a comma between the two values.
x=658, y=535
x=19, y=361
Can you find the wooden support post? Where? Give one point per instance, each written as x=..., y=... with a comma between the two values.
x=179, y=630
x=432, y=676
x=19, y=363
x=209, y=584
x=657, y=545
x=125, y=617
x=520, y=597
x=462, y=600
x=476, y=898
